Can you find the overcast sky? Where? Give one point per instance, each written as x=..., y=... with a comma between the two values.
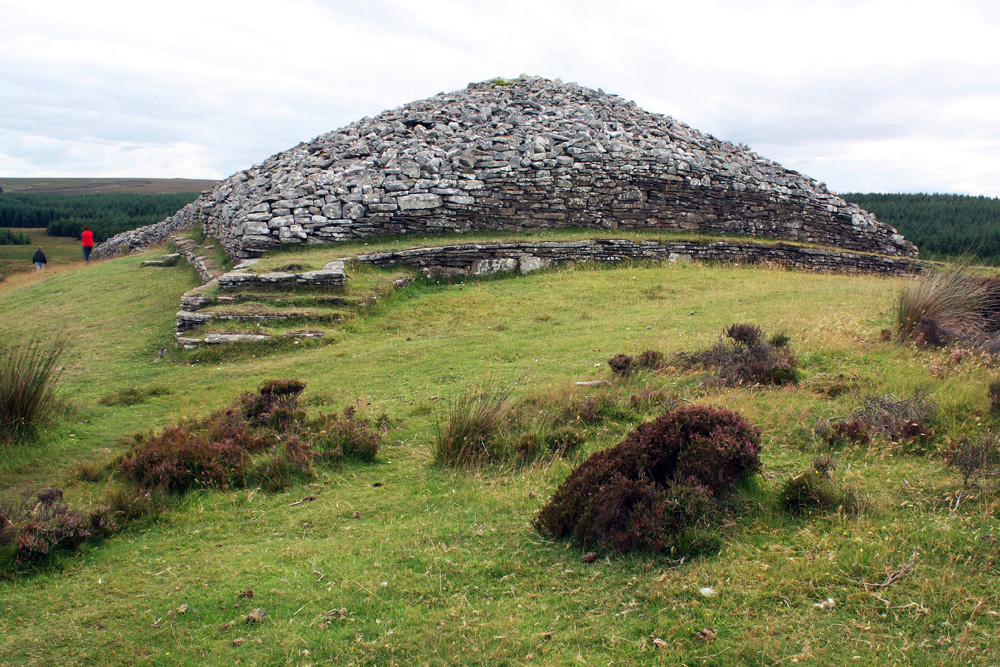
x=891, y=96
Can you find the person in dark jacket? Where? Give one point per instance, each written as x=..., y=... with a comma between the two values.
x=39, y=259
x=88, y=243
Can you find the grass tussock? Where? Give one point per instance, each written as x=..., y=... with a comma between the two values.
x=948, y=304
x=470, y=433
x=28, y=374
x=815, y=490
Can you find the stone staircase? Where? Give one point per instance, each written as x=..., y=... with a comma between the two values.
x=243, y=305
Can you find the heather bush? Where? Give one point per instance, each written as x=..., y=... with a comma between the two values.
x=743, y=357
x=176, y=460
x=621, y=364
x=657, y=485
x=27, y=376
x=745, y=336
x=230, y=447
x=779, y=340
x=37, y=524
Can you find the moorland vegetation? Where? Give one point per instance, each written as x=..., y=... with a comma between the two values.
x=757, y=467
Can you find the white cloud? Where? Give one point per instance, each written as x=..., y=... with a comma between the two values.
x=904, y=95
x=37, y=156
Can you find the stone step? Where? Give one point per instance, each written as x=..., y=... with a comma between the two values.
x=196, y=300
x=164, y=260
x=332, y=275
x=187, y=320
x=192, y=342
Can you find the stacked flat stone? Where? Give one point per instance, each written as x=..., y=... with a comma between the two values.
x=481, y=259
x=518, y=155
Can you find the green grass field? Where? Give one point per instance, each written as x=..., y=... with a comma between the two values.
x=407, y=563
x=59, y=251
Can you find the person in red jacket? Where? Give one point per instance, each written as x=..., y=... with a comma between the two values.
x=88, y=243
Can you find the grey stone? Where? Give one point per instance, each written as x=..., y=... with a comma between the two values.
x=531, y=147
x=353, y=211
x=419, y=201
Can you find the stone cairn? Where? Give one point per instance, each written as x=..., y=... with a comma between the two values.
x=516, y=155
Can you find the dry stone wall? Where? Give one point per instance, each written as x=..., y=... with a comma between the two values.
x=478, y=259
x=518, y=155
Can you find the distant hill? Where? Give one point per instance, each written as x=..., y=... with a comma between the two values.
x=76, y=186
x=940, y=225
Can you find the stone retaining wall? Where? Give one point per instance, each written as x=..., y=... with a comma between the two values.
x=488, y=258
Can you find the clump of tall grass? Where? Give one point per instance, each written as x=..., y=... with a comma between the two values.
x=28, y=374
x=944, y=304
x=815, y=490
x=470, y=433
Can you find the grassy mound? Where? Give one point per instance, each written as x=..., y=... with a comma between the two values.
x=407, y=562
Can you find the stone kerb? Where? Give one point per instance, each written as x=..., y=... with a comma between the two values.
x=487, y=258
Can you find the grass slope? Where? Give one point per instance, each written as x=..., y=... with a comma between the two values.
x=59, y=251
x=405, y=563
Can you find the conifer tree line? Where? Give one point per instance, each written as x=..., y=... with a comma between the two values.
x=106, y=214
x=7, y=237
x=942, y=226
